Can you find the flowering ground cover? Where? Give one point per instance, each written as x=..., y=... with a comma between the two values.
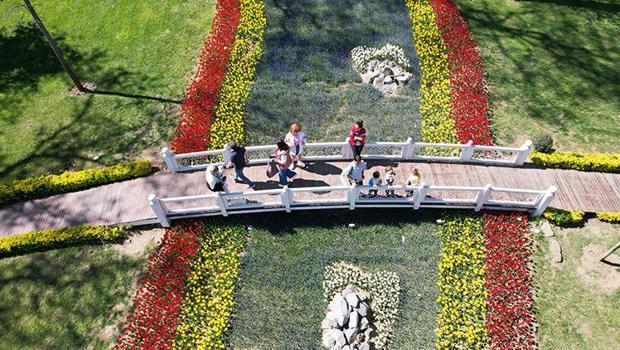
x=305, y=74
x=63, y=298
x=43, y=129
x=280, y=303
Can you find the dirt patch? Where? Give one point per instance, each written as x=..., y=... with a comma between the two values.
x=595, y=273
x=137, y=243
x=89, y=85
x=153, y=155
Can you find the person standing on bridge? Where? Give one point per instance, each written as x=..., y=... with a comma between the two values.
x=283, y=159
x=296, y=140
x=239, y=159
x=357, y=137
x=354, y=173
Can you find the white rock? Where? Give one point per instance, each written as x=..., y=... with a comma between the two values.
x=354, y=319
x=546, y=229
x=346, y=347
x=339, y=337
x=328, y=340
x=352, y=299
x=350, y=335
x=362, y=309
x=364, y=346
x=555, y=249
x=364, y=324
x=388, y=80
x=328, y=323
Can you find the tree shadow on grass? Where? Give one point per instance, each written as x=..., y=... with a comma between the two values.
x=586, y=4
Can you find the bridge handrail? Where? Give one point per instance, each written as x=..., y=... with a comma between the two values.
x=419, y=196
x=408, y=150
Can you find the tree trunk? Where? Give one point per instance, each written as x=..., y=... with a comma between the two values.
x=57, y=52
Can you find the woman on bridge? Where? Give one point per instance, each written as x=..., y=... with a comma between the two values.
x=357, y=137
x=216, y=181
x=296, y=140
x=283, y=159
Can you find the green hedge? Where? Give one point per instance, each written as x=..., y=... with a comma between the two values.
x=40, y=240
x=609, y=217
x=47, y=185
x=564, y=218
x=608, y=163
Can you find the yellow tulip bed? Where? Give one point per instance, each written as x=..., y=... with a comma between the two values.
x=462, y=301
x=437, y=125
x=607, y=163
x=609, y=217
x=247, y=50
x=210, y=287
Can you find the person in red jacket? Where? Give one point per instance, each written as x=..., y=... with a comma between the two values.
x=357, y=137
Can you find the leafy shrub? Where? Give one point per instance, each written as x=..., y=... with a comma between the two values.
x=564, y=218
x=462, y=300
x=607, y=163
x=383, y=287
x=542, y=143
x=43, y=186
x=361, y=55
x=209, y=298
x=609, y=217
x=39, y=240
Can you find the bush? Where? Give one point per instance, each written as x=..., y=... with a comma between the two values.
x=542, y=143
x=47, y=185
x=609, y=217
x=39, y=240
x=564, y=218
x=607, y=163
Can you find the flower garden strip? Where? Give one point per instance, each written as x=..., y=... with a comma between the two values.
x=208, y=302
x=468, y=90
x=157, y=303
x=462, y=300
x=228, y=124
x=437, y=125
x=197, y=110
x=509, y=246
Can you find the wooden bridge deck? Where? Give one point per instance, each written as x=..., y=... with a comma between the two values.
x=126, y=202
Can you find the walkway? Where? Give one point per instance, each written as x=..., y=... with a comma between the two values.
x=126, y=202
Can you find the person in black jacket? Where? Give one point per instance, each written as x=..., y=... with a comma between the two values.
x=239, y=160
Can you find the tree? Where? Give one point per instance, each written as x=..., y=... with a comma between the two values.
x=55, y=48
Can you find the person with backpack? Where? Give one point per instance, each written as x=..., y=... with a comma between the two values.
x=239, y=159
x=283, y=160
x=357, y=137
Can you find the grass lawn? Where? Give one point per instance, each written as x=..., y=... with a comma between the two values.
x=578, y=300
x=305, y=73
x=62, y=299
x=137, y=47
x=280, y=301
x=552, y=66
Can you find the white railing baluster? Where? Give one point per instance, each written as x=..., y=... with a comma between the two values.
x=523, y=153
x=468, y=152
x=352, y=196
x=483, y=196
x=285, y=197
x=160, y=210
x=408, y=148
x=221, y=203
x=545, y=201
x=347, y=151
x=420, y=195
x=170, y=159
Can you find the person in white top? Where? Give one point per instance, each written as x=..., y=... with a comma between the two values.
x=354, y=172
x=296, y=140
x=216, y=181
x=390, y=178
x=375, y=182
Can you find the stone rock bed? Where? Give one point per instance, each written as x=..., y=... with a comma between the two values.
x=385, y=75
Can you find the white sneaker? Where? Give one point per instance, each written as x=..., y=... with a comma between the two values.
x=301, y=164
x=295, y=177
x=281, y=185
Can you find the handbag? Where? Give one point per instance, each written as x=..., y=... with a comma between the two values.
x=271, y=170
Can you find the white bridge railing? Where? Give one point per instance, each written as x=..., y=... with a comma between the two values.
x=351, y=197
x=408, y=150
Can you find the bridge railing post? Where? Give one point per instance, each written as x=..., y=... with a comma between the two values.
x=524, y=152
x=407, y=152
x=160, y=210
x=420, y=195
x=347, y=151
x=221, y=203
x=285, y=197
x=170, y=159
x=544, y=201
x=467, y=153
x=483, y=196
x=352, y=196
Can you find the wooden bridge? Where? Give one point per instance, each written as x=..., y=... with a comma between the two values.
x=126, y=202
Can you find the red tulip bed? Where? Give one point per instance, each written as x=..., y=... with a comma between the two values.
x=198, y=108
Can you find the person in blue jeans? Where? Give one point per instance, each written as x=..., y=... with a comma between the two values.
x=282, y=158
x=239, y=160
